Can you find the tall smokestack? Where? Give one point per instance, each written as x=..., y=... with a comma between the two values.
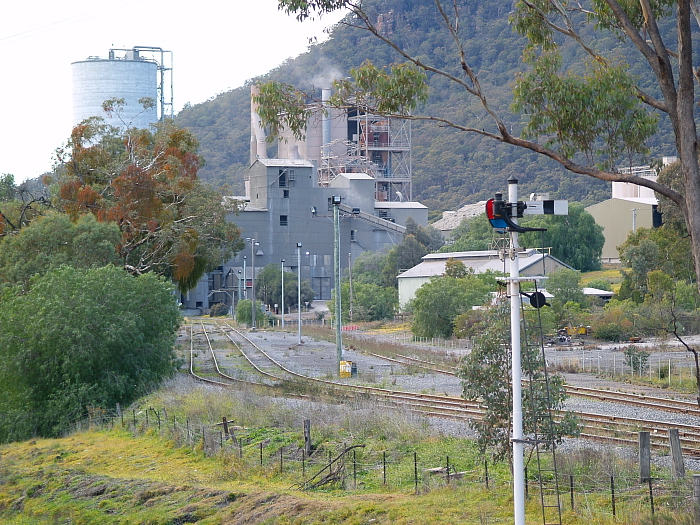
x=325, y=121
x=258, y=142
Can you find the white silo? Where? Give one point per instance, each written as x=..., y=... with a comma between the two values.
x=131, y=77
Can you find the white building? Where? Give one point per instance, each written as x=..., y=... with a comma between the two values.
x=532, y=263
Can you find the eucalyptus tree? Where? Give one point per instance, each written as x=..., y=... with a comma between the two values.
x=589, y=118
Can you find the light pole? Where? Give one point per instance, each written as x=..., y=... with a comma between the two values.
x=245, y=280
x=350, y=282
x=253, y=244
x=239, y=293
x=282, y=301
x=299, y=290
x=335, y=200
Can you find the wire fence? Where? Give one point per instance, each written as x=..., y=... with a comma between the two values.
x=674, y=369
x=354, y=468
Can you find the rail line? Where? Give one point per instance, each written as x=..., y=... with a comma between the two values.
x=596, y=427
x=640, y=400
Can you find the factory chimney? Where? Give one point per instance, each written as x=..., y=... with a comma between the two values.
x=258, y=142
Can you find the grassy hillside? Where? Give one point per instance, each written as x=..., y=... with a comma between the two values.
x=144, y=467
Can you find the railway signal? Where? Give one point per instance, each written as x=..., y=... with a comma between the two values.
x=503, y=216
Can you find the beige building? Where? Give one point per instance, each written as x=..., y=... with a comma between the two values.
x=620, y=217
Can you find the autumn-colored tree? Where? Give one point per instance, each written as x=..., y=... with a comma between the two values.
x=145, y=181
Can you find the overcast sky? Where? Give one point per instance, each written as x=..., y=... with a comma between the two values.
x=217, y=45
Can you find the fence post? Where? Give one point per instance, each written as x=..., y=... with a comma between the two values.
x=384, y=465
x=486, y=475
x=644, y=457
x=225, y=425
x=307, y=437
x=676, y=453
x=281, y=463
x=261, y=455
x=612, y=491
x=448, y=470
x=651, y=497
x=696, y=497
x=415, y=470
x=571, y=489
x=354, y=468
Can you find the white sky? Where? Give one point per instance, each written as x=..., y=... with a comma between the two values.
x=217, y=45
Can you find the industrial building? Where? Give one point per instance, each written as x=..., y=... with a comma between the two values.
x=630, y=207
x=360, y=158
x=532, y=263
x=131, y=74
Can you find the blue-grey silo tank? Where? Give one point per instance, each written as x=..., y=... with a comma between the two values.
x=131, y=77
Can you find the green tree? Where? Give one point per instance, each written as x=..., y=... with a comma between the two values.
x=428, y=236
x=8, y=188
x=268, y=287
x=437, y=303
x=370, y=302
x=88, y=338
x=575, y=238
x=666, y=249
x=18, y=205
x=588, y=119
x=486, y=374
x=565, y=286
x=54, y=240
x=367, y=268
x=455, y=268
x=244, y=312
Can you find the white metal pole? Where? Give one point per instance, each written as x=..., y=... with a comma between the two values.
x=299, y=290
x=336, y=261
x=282, y=301
x=518, y=449
x=252, y=289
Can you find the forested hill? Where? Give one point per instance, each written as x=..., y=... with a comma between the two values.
x=450, y=168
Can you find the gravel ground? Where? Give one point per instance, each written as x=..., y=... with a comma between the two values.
x=319, y=358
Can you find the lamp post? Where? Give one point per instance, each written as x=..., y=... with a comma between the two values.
x=239, y=293
x=299, y=290
x=282, y=301
x=245, y=281
x=253, y=244
x=335, y=200
x=350, y=282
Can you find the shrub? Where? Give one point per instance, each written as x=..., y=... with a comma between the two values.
x=219, y=310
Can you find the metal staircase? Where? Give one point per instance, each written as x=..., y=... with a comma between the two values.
x=538, y=409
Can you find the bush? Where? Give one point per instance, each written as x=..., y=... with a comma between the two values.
x=637, y=359
x=219, y=310
x=88, y=338
x=609, y=332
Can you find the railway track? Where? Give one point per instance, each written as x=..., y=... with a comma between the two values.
x=266, y=370
x=639, y=400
